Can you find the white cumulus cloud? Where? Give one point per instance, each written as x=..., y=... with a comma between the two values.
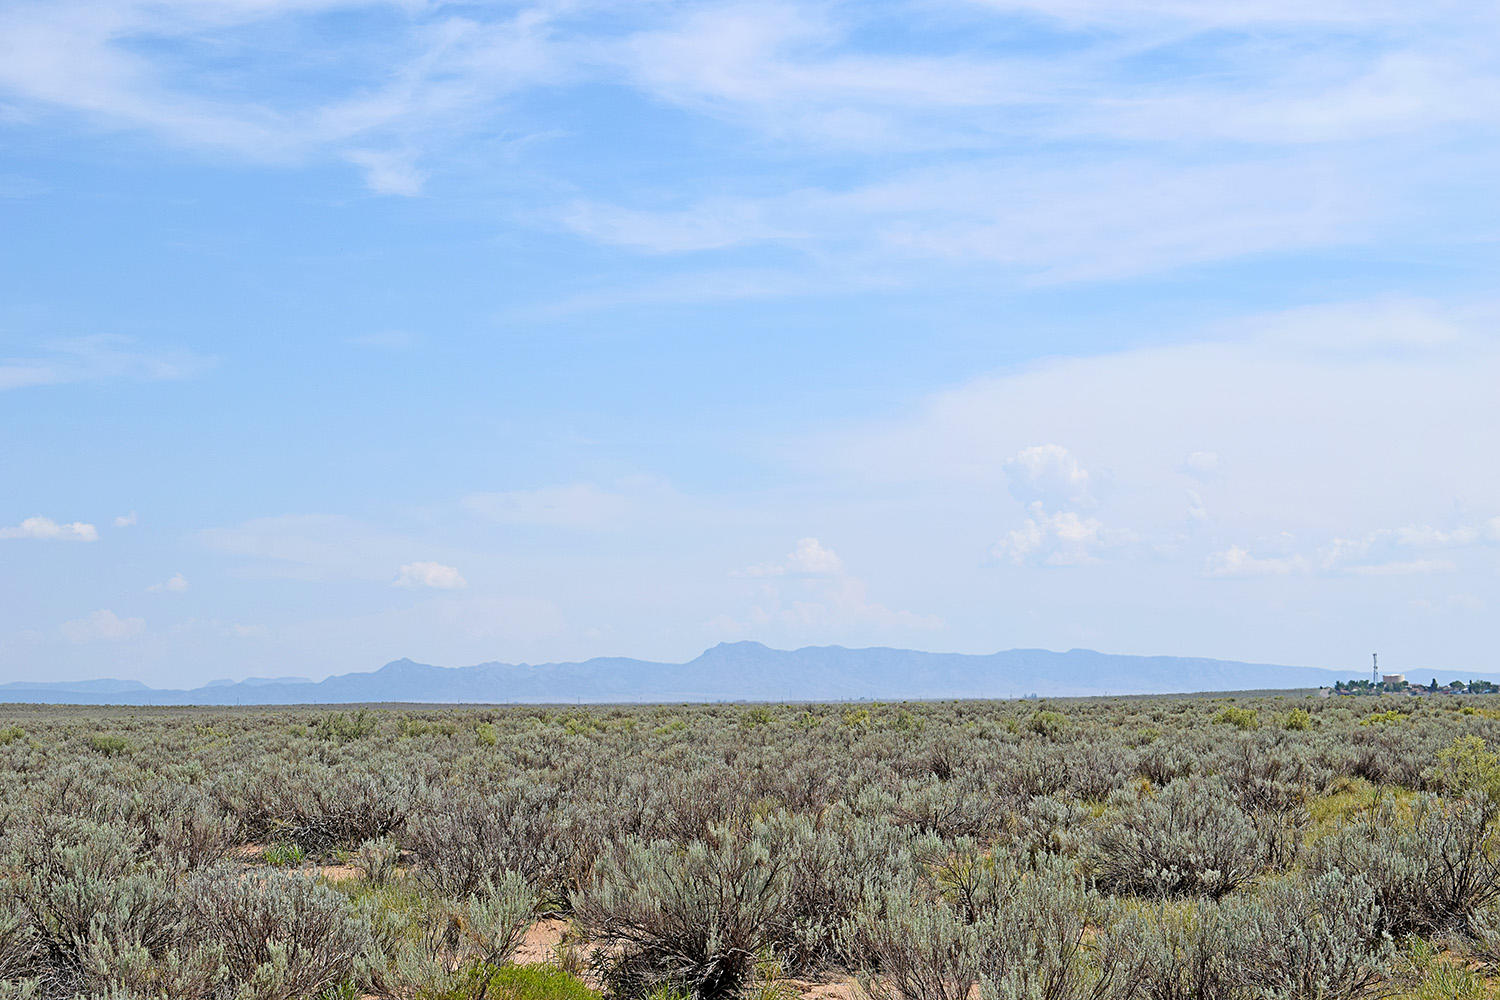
x=1047, y=474
x=126, y=520
x=176, y=585
x=430, y=574
x=1239, y=562
x=47, y=529
x=1406, y=551
x=1061, y=538
x=809, y=591
x=102, y=625
x=1398, y=551
x=810, y=557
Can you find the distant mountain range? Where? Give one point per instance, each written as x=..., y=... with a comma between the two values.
x=734, y=671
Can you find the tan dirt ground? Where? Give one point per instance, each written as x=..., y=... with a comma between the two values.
x=540, y=943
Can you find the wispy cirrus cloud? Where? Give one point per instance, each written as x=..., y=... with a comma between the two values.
x=1074, y=221
x=312, y=546
x=1123, y=171
x=161, y=68
x=400, y=98
x=96, y=359
x=575, y=505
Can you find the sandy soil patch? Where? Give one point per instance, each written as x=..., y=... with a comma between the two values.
x=838, y=989
x=541, y=942
x=337, y=873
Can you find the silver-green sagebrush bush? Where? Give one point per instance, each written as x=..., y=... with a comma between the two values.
x=429, y=947
x=1053, y=824
x=1432, y=864
x=462, y=837
x=1295, y=939
x=377, y=859
x=85, y=888
x=1190, y=838
x=690, y=917
x=912, y=946
x=1016, y=927
x=1272, y=782
x=19, y=943
x=832, y=862
x=283, y=935
x=101, y=915
x=321, y=806
x=1317, y=938
x=1033, y=943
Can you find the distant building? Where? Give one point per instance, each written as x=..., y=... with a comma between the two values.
x=1393, y=678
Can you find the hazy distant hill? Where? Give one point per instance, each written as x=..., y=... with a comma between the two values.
x=735, y=671
x=99, y=687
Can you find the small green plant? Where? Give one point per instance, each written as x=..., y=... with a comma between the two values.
x=341, y=727
x=1239, y=718
x=531, y=982
x=857, y=718
x=377, y=858
x=1467, y=766
x=906, y=722
x=346, y=990
x=769, y=981
x=755, y=717
x=1439, y=979
x=1047, y=723
x=285, y=855
x=583, y=723
x=1296, y=720
x=10, y=734
x=109, y=744
x=1384, y=718
x=485, y=734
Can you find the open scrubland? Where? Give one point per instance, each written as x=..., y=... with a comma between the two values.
x=1161, y=849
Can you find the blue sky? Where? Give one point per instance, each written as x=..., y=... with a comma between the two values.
x=332, y=332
